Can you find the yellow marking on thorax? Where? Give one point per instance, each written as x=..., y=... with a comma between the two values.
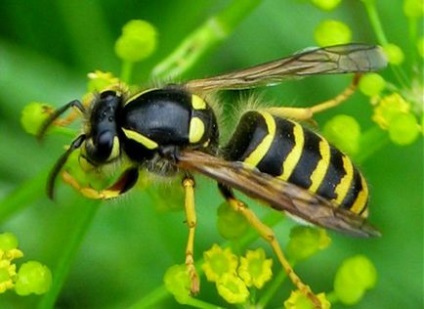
x=137, y=95
x=196, y=130
x=256, y=156
x=321, y=169
x=344, y=185
x=293, y=157
x=197, y=102
x=361, y=200
x=140, y=138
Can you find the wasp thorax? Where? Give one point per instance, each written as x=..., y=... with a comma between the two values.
x=170, y=116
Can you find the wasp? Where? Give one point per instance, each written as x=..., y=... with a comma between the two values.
x=173, y=131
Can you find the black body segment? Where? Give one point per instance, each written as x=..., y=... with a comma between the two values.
x=167, y=117
x=161, y=115
x=310, y=156
x=250, y=131
x=285, y=150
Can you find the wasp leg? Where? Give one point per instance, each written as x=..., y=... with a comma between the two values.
x=63, y=122
x=188, y=184
x=124, y=183
x=54, y=117
x=299, y=113
x=78, y=108
x=268, y=234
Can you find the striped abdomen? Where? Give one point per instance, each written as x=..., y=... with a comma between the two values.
x=286, y=150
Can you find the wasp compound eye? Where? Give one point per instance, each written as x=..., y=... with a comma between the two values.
x=102, y=148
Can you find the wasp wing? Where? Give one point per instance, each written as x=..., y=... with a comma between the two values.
x=280, y=195
x=347, y=58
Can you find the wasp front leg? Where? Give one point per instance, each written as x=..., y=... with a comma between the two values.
x=188, y=184
x=307, y=113
x=76, y=112
x=268, y=234
x=124, y=183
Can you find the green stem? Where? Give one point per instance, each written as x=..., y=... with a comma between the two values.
x=126, y=71
x=213, y=31
x=81, y=224
x=375, y=21
x=272, y=289
x=413, y=37
x=413, y=29
x=376, y=24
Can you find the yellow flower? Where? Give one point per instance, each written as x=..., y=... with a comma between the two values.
x=232, y=289
x=99, y=80
x=177, y=282
x=218, y=262
x=255, y=269
x=7, y=275
x=8, y=252
x=297, y=300
x=388, y=108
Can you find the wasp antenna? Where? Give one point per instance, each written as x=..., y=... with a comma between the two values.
x=60, y=163
x=56, y=114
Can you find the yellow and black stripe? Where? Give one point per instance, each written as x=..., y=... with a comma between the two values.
x=286, y=150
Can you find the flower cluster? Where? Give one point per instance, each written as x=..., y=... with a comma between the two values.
x=234, y=275
x=238, y=278
x=31, y=278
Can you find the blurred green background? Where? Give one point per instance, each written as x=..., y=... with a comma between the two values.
x=46, y=50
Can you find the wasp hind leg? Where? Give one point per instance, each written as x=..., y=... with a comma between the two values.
x=268, y=234
x=307, y=113
x=188, y=184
